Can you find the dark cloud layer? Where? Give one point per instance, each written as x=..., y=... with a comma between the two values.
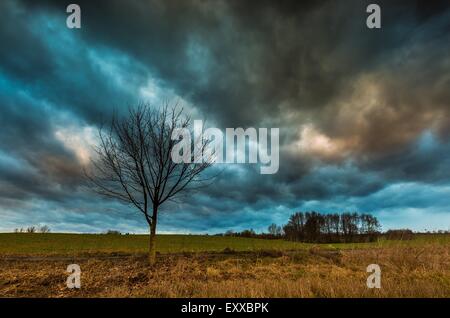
x=360, y=111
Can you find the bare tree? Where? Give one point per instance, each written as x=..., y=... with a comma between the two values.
x=134, y=165
x=44, y=229
x=275, y=230
x=31, y=229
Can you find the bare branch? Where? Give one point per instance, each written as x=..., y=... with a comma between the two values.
x=134, y=164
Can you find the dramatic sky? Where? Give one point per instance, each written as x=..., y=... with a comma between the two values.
x=364, y=115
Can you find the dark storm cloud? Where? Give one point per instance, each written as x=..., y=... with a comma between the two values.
x=218, y=53
x=358, y=109
x=56, y=66
x=246, y=64
x=427, y=160
x=32, y=162
x=46, y=85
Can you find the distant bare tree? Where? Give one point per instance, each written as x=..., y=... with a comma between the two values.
x=275, y=230
x=31, y=229
x=134, y=165
x=44, y=229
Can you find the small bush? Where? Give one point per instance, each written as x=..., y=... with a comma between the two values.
x=113, y=232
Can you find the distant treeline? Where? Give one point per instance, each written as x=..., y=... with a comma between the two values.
x=321, y=228
x=335, y=227
x=315, y=227
x=33, y=229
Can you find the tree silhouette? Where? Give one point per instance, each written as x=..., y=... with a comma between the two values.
x=133, y=162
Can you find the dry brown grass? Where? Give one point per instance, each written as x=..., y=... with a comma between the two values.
x=406, y=272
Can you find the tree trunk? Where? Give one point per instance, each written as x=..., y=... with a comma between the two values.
x=152, y=247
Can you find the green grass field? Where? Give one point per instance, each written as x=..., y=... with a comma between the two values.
x=53, y=243
x=63, y=244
